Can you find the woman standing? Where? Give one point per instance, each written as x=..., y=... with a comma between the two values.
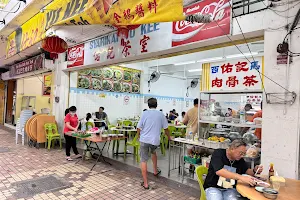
x=71, y=124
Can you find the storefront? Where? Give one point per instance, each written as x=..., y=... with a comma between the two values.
x=123, y=89
x=29, y=86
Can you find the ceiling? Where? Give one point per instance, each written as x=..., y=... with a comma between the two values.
x=179, y=66
x=78, y=34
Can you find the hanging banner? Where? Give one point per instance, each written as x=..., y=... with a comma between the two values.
x=29, y=65
x=27, y=35
x=86, y=12
x=145, y=39
x=185, y=32
x=236, y=74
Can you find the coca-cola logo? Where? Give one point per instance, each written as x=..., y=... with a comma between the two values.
x=215, y=9
x=75, y=53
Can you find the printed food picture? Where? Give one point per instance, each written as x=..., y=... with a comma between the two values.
x=108, y=73
x=135, y=88
x=118, y=75
x=136, y=78
x=126, y=87
x=97, y=84
x=127, y=76
x=115, y=78
x=96, y=72
x=107, y=85
x=84, y=82
x=117, y=86
x=85, y=72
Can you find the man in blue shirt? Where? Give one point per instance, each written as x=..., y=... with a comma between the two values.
x=149, y=129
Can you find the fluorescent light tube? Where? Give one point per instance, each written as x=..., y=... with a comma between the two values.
x=195, y=70
x=210, y=59
x=185, y=63
x=242, y=55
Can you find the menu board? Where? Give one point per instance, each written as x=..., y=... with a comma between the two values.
x=114, y=79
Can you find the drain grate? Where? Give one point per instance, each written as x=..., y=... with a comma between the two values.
x=25, y=189
x=4, y=149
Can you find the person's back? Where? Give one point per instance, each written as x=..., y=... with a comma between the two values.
x=151, y=123
x=192, y=120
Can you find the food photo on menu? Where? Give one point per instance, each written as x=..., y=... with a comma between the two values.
x=113, y=79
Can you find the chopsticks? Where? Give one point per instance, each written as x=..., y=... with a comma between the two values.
x=257, y=170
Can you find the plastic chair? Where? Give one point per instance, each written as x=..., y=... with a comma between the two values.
x=136, y=147
x=127, y=123
x=200, y=171
x=51, y=135
x=174, y=132
x=163, y=143
x=89, y=125
x=20, y=126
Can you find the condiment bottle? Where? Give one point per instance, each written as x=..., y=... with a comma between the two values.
x=271, y=170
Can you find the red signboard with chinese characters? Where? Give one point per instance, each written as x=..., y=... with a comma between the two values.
x=239, y=74
x=76, y=56
x=29, y=65
x=185, y=32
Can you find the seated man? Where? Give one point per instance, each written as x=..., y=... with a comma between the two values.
x=101, y=116
x=225, y=169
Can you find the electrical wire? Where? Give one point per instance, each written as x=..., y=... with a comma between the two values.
x=268, y=7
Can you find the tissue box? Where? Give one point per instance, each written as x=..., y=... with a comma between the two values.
x=279, y=179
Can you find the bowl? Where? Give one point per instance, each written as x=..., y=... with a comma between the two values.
x=270, y=193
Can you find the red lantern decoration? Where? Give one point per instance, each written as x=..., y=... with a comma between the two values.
x=54, y=44
x=123, y=31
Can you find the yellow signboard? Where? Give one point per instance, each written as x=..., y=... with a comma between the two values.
x=85, y=12
x=27, y=35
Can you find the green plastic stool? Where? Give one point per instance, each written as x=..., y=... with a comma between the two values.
x=200, y=171
x=51, y=135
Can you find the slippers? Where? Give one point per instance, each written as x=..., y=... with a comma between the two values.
x=146, y=188
x=69, y=159
x=158, y=172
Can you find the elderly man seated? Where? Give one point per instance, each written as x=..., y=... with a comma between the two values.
x=225, y=169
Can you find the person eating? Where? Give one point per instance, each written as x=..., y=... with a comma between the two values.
x=225, y=169
x=101, y=116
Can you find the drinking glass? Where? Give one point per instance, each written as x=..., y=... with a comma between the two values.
x=276, y=185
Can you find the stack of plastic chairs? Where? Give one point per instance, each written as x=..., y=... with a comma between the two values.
x=25, y=115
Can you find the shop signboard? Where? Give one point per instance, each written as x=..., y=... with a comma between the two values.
x=113, y=79
x=84, y=12
x=239, y=74
x=76, y=56
x=29, y=65
x=185, y=32
x=145, y=39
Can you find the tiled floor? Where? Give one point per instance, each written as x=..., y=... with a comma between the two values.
x=22, y=163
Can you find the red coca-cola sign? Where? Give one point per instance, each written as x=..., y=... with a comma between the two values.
x=76, y=56
x=185, y=32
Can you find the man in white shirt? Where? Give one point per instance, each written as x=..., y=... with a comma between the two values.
x=149, y=129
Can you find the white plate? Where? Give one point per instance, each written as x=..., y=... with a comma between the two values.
x=259, y=189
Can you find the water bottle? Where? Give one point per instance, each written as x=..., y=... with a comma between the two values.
x=190, y=136
x=242, y=117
